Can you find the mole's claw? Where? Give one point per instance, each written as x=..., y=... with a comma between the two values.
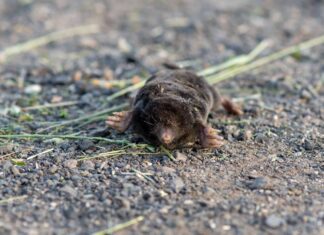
x=210, y=138
x=120, y=121
x=114, y=118
x=120, y=114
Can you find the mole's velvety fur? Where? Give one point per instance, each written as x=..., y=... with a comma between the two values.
x=172, y=110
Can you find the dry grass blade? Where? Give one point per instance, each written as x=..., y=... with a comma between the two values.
x=119, y=227
x=145, y=176
x=39, y=154
x=87, y=117
x=46, y=39
x=12, y=199
x=168, y=153
x=265, y=60
x=239, y=60
x=45, y=106
x=126, y=90
x=38, y=136
x=104, y=155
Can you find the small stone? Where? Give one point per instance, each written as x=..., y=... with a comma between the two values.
x=177, y=184
x=274, y=221
x=308, y=145
x=230, y=132
x=69, y=190
x=298, y=154
x=87, y=165
x=33, y=89
x=85, y=173
x=162, y=193
x=124, y=203
x=85, y=145
x=167, y=170
x=60, y=79
x=124, y=46
x=15, y=170
x=305, y=94
x=53, y=169
x=71, y=164
x=243, y=135
x=5, y=149
x=108, y=74
x=7, y=166
x=257, y=183
x=260, y=137
x=56, y=99
x=164, y=210
x=247, y=134
x=188, y=202
x=89, y=43
x=180, y=156
x=293, y=220
x=253, y=174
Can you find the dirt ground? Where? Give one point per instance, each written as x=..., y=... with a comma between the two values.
x=267, y=179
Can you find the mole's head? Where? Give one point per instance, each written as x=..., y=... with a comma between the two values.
x=165, y=122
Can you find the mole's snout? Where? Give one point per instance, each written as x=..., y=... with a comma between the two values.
x=166, y=136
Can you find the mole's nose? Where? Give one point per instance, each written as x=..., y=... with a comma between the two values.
x=166, y=136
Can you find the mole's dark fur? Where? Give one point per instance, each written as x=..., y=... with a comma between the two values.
x=172, y=110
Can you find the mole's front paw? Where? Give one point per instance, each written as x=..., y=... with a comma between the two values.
x=210, y=139
x=119, y=120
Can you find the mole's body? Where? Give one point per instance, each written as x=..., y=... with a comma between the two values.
x=172, y=110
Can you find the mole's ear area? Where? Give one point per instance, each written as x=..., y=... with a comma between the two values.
x=208, y=137
x=172, y=66
x=120, y=121
x=230, y=107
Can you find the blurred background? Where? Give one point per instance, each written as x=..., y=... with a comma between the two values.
x=154, y=31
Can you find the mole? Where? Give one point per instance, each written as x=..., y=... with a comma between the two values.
x=172, y=109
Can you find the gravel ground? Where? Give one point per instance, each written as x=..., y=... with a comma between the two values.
x=267, y=179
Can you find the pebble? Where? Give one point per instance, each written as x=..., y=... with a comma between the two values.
x=305, y=94
x=177, y=184
x=7, y=166
x=257, y=183
x=167, y=170
x=308, y=145
x=180, y=156
x=53, y=169
x=87, y=165
x=85, y=173
x=260, y=138
x=124, y=203
x=244, y=135
x=230, y=131
x=33, y=89
x=69, y=190
x=85, y=144
x=124, y=46
x=71, y=163
x=89, y=43
x=15, y=170
x=5, y=149
x=274, y=221
x=61, y=79
x=247, y=135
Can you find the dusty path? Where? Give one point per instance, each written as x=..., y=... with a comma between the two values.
x=268, y=178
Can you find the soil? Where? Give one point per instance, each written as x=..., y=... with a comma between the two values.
x=267, y=179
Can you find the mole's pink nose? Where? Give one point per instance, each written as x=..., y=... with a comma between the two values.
x=167, y=136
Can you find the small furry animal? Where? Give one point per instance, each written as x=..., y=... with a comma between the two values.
x=172, y=108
